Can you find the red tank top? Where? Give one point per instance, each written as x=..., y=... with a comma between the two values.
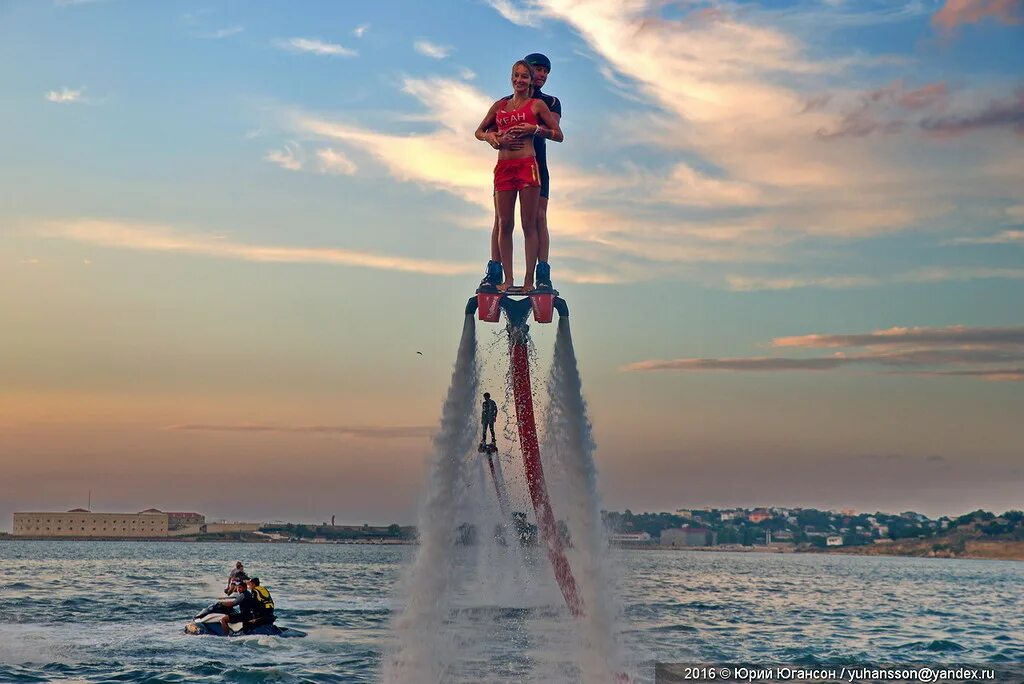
x=507, y=120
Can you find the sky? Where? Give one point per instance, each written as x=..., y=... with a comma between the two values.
x=791, y=234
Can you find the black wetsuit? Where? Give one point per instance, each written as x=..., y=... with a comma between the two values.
x=487, y=418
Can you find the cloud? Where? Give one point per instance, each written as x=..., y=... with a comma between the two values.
x=332, y=161
x=425, y=47
x=959, y=12
x=954, y=351
x=161, y=238
x=379, y=432
x=360, y=31
x=1005, y=237
x=957, y=334
x=514, y=14
x=1007, y=113
x=1016, y=212
x=224, y=32
x=315, y=46
x=742, y=283
x=290, y=158
x=467, y=74
x=760, y=363
x=995, y=375
x=65, y=96
x=888, y=109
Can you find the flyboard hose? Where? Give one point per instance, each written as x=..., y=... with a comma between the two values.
x=520, y=361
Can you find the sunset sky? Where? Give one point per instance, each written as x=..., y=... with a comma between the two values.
x=791, y=234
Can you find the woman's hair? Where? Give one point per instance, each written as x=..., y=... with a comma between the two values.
x=529, y=68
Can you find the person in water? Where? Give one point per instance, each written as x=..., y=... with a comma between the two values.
x=488, y=415
x=237, y=573
x=541, y=68
x=263, y=604
x=516, y=173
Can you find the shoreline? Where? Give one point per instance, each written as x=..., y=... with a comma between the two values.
x=229, y=540
x=1003, y=551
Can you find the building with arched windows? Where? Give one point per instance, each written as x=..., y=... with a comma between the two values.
x=80, y=522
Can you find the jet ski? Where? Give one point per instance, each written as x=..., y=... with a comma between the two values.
x=209, y=623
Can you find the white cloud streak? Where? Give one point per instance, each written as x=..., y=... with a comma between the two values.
x=433, y=50
x=291, y=158
x=1005, y=237
x=358, y=432
x=161, y=238
x=335, y=162
x=315, y=46
x=65, y=96
x=224, y=32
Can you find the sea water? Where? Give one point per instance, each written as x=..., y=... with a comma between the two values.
x=114, y=611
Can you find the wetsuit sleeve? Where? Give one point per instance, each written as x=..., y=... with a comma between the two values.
x=556, y=106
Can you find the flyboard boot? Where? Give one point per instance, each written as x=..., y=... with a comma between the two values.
x=492, y=277
x=543, y=281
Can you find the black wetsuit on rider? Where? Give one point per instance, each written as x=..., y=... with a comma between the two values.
x=488, y=416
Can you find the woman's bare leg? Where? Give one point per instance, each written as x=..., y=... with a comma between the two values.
x=528, y=201
x=506, y=204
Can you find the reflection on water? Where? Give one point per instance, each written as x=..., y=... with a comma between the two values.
x=90, y=611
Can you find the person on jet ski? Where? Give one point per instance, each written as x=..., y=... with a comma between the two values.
x=263, y=604
x=241, y=605
x=237, y=573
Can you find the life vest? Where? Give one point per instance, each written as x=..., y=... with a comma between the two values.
x=264, y=600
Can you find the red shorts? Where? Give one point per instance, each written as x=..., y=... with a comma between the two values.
x=516, y=174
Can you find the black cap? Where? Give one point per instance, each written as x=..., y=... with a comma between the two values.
x=537, y=59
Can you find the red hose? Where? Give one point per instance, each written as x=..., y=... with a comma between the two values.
x=535, y=477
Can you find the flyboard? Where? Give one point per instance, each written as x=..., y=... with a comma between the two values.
x=518, y=306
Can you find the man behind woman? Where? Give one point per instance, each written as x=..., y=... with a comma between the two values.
x=517, y=174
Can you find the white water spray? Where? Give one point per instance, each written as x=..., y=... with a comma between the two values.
x=570, y=451
x=421, y=653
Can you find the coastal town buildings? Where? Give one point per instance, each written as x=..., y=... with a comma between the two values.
x=80, y=522
x=688, y=536
x=759, y=515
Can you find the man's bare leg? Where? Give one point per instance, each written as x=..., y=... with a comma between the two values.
x=495, y=249
x=543, y=240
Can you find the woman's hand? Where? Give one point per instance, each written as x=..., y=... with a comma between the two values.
x=493, y=140
x=523, y=130
x=509, y=142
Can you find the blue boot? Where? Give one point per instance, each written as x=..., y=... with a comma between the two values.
x=543, y=275
x=493, y=276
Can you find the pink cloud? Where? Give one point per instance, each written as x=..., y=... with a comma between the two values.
x=958, y=12
x=923, y=97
